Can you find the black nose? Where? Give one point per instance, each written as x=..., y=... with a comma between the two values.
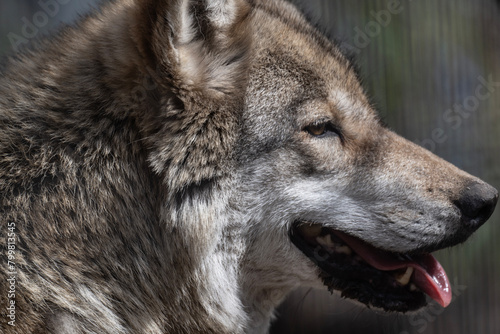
x=477, y=203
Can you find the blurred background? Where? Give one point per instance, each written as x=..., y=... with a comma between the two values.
x=432, y=68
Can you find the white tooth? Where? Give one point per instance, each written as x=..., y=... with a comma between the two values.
x=343, y=250
x=404, y=279
x=325, y=241
x=413, y=287
x=311, y=231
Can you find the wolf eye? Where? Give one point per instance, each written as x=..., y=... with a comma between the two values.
x=321, y=129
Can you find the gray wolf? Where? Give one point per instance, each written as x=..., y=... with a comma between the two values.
x=180, y=166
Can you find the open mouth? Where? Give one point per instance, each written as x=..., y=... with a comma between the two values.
x=377, y=278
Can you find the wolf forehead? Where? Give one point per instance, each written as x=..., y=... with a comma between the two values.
x=298, y=77
x=303, y=63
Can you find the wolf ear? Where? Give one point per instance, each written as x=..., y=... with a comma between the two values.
x=202, y=44
x=200, y=50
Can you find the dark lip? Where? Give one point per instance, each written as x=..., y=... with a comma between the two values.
x=360, y=282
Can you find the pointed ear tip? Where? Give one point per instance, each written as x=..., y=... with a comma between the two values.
x=164, y=26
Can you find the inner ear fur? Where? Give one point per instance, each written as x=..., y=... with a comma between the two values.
x=201, y=46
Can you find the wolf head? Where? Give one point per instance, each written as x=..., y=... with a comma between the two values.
x=267, y=121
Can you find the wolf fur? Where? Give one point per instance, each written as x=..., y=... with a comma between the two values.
x=154, y=156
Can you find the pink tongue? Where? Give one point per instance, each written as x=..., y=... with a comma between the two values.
x=429, y=276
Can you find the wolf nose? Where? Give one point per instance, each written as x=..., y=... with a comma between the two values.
x=477, y=204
